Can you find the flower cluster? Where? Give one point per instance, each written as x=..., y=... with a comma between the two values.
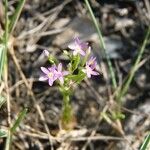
x=81, y=51
x=53, y=73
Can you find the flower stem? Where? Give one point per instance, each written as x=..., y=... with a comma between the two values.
x=67, y=111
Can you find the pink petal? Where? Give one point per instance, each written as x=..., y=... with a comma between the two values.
x=60, y=67
x=88, y=74
x=93, y=65
x=50, y=82
x=61, y=79
x=91, y=60
x=88, y=50
x=43, y=78
x=65, y=73
x=82, y=52
x=95, y=73
x=45, y=70
x=52, y=69
x=77, y=41
x=72, y=46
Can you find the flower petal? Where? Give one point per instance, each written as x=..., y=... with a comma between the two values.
x=61, y=79
x=45, y=70
x=82, y=52
x=65, y=73
x=50, y=82
x=95, y=73
x=43, y=78
x=88, y=74
x=72, y=46
x=60, y=67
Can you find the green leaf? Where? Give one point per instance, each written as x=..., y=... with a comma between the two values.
x=52, y=59
x=11, y=131
x=77, y=78
x=16, y=15
x=3, y=133
x=75, y=62
x=2, y=59
x=146, y=143
x=20, y=117
x=2, y=101
x=118, y=115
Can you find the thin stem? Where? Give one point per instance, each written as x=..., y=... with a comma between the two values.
x=102, y=44
x=66, y=108
x=129, y=79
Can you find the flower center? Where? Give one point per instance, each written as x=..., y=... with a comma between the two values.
x=50, y=75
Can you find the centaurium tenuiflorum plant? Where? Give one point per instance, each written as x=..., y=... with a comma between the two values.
x=82, y=65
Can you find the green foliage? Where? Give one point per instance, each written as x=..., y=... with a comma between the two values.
x=122, y=91
x=75, y=62
x=146, y=143
x=9, y=26
x=2, y=100
x=3, y=133
x=16, y=15
x=117, y=115
x=12, y=130
x=2, y=59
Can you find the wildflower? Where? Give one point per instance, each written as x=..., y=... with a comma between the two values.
x=49, y=74
x=90, y=66
x=60, y=73
x=78, y=47
x=46, y=53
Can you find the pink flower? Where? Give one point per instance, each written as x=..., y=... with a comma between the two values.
x=78, y=47
x=90, y=66
x=60, y=74
x=49, y=74
x=53, y=73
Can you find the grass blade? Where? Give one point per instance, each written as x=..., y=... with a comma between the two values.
x=3, y=45
x=11, y=131
x=129, y=79
x=2, y=59
x=146, y=143
x=16, y=15
x=3, y=133
x=8, y=140
x=102, y=44
x=20, y=117
x=2, y=101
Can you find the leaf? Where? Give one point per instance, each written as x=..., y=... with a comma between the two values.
x=77, y=78
x=16, y=15
x=75, y=62
x=20, y=117
x=146, y=143
x=3, y=133
x=2, y=101
x=2, y=59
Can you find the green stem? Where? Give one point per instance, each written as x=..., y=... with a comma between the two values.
x=67, y=112
x=129, y=79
